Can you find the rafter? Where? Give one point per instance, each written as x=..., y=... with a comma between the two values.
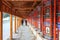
x=7, y=4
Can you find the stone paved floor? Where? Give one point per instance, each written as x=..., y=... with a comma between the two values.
x=25, y=33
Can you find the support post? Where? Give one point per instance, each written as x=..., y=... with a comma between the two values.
x=20, y=19
x=18, y=22
x=15, y=24
x=31, y=21
x=1, y=25
x=54, y=19
x=40, y=23
x=42, y=17
x=10, y=27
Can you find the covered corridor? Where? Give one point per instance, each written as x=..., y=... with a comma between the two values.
x=42, y=19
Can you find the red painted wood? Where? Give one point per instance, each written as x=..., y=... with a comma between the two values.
x=1, y=32
x=10, y=27
x=54, y=19
x=1, y=17
x=35, y=13
x=42, y=17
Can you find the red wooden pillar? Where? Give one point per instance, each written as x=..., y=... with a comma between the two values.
x=18, y=22
x=31, y=21
x=1, y=33
x=15, y=24
x=42, y=16
x=54, y=19
x=10, y=27
x=40, y=23
x=1, y=25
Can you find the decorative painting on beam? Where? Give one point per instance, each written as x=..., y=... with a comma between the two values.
x=58, y=18
x=47, y=19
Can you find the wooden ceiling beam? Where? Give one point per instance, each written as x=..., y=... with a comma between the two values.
x=21, y=0
x=22, y=8
x=23, y=11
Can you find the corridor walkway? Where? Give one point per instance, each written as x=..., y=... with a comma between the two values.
x=25, y=33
